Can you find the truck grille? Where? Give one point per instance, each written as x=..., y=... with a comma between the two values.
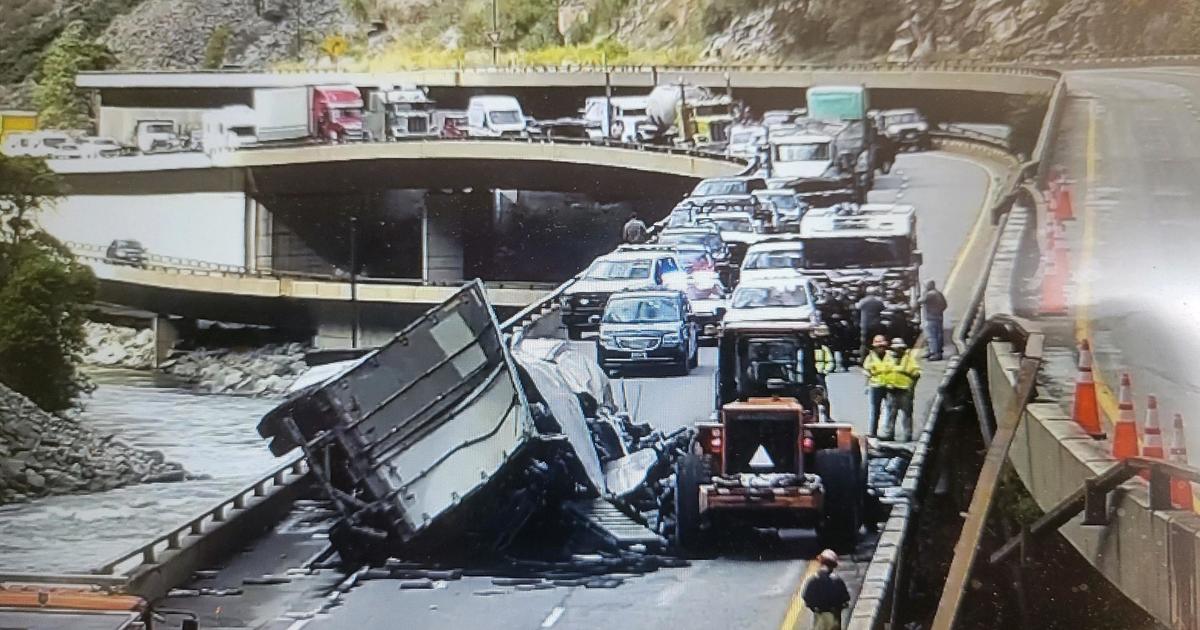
x=418, y=125
x=589, y=301
x=639, y=343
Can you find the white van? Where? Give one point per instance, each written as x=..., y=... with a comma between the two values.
x=51, y=145
x=495, y=117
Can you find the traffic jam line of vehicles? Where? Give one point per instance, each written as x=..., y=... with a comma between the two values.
x=498, y=447
x=452, y=450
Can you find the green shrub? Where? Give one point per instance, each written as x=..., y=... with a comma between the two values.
x=43, y=292
x=218, y=43
x=60, y=104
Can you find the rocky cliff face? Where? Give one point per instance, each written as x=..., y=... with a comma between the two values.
x=173, y=34
x=898, y=30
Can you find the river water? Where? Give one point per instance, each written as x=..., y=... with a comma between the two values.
x=208, y=434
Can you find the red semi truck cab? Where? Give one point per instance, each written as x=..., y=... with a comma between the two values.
x=337, y=113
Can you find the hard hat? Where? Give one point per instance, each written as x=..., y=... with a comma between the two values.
x=899, y=343
x=879, y=341
x=821, y=330
x=828, y=558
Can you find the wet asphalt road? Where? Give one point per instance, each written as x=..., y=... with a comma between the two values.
x=1130, y=141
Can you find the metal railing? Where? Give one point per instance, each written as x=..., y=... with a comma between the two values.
x=1092, y=499
x=151, y=552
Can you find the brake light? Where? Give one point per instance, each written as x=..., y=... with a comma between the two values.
x=712, y=440
x=808, y=445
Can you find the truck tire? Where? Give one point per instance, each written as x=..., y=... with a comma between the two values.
x=841, y=474
x=690, y=471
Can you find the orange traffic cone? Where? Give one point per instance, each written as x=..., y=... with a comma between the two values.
x=1086, y=412
x=1152, y=441
x=1181, y=489
x=1053, y=301
x=1062, y=206
x=1125, y=443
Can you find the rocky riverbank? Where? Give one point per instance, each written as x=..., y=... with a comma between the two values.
x=43, y=454
x=119, y=346
x=266, y=370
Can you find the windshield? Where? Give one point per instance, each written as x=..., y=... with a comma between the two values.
x=679, y=218
x=508, y=117
x=733, y=225
x=784, y=202
x=55, y=143
x=629, y=113
x=782, y=295
x=160, y=128
x=619, y=270
x=720, y=187
x=802, y=152
x=833, y=253
x=694, y=259
x=346, y=113
x=780, y=259
x=641, y=311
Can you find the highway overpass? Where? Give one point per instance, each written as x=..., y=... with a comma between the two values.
x=1149, y=555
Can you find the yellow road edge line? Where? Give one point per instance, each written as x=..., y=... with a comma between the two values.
x=791, y=619
x=976, y=230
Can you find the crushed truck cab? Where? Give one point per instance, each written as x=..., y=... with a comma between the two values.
x=765, y=460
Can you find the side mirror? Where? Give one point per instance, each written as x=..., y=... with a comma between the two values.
x=719, y=312
x=594, y=319
x=918, y=258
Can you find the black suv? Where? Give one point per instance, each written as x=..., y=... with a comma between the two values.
x=608, y=274
x=649, y=327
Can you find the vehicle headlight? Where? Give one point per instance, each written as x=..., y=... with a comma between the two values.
x=564, y=301
x=606, y=340
x=671, y=339
x=923, y=127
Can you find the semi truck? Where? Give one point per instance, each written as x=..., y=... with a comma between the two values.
x=328, y=113
x=686, y=114
x=396, y=113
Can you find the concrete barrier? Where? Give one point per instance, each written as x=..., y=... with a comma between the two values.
x=1151, y=556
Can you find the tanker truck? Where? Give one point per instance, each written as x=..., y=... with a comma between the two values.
x=686, y=115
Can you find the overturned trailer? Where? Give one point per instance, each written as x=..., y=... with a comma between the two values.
x=444, y=443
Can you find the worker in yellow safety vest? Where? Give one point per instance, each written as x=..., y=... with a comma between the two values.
x=878, y=366
x=825, y=364
x=901, y=382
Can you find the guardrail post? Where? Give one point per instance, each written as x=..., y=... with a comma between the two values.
x=218, y=514
x=260, y=489
x=198, y=526
x=1160, y=489
x=239, y=502
x=149, y=555
x=173, y=540
x=1095, y=503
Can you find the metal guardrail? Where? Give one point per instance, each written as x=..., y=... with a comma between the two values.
x=186, y=266
x=1092, y=499
x=150, y=553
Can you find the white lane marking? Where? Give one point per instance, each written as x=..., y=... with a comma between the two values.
x=298, y=624
x=552, y=618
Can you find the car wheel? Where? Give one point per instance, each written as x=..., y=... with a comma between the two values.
x=690, y=536
x=842, y=515
x=694, y=361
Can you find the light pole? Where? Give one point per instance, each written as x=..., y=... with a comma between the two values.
x=354, y=281
x=495, y=34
